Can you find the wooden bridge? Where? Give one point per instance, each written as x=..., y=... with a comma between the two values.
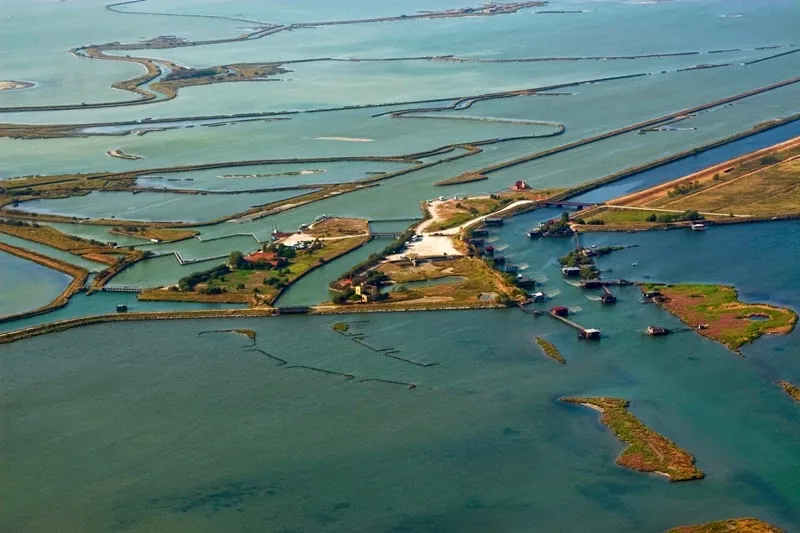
x=583, y=333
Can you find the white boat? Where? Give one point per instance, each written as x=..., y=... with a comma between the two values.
x=698, y=227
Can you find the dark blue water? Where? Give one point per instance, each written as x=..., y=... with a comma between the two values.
x=692, y=164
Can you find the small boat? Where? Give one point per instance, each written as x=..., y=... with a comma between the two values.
x=698, y=227
x=635, y=263
x=122, y=308
x=656, y=331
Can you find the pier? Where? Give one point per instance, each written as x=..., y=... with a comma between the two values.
x=583, y=333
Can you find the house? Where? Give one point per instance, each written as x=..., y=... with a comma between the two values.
x=367, y=293
x=265, y=257
x=560, y=311
x=571, y=272
x=520, y=185
x=591, y=284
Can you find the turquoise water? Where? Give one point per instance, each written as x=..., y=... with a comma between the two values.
x=154, y=206
x=25, y=286
x=150, y=427
x=91, y=266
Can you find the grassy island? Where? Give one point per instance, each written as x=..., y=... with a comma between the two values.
x=550, y=350
x=648, y=451
x=340, y=327
x=736, y=525
x=154, y=233
x=723, y=316
x=791, y=389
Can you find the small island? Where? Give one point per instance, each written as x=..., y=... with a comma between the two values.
x=119, y=154
x=739, y=525
x=154, y=234
x=648, y=451
x=13, y=85
x=550, y=350
x=717, y=313
x=792, y=390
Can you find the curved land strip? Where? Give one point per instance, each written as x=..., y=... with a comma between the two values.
x=550, y=350
x=736, y=525
x=723, y=317
x=756, y=186
x=150, y=92
x=165, y=235
x=117, y=258
x=79, y=277
x=647, y=450
x=249, y=333
x=792, y=390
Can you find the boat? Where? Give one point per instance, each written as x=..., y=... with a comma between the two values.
x=656, y=331
x=122, y=308
x=698, y=227
x=635, y=263
x=538, y=297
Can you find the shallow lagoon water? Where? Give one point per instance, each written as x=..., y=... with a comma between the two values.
x=25, y=286
x=154, y=206
x=156, y=427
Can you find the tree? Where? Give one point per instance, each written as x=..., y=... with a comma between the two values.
x=651, y=217
x=236, y=259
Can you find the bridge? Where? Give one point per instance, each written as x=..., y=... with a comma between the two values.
x=558, y=204
x=385, y=234
x=123, y=288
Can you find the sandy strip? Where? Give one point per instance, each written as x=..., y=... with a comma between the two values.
x=345, y=139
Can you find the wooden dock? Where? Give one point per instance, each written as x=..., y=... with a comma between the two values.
x=583, y=333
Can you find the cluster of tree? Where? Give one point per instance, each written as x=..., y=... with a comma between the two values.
x=189, y=282
x=666, y=218
x=129, y=229
x=19, y=223
x=559, y=226
x=188, y=73
x=575, y=259
x=680, y=190
x=236, y=260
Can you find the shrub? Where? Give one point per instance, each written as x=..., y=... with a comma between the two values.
x=651, y=217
